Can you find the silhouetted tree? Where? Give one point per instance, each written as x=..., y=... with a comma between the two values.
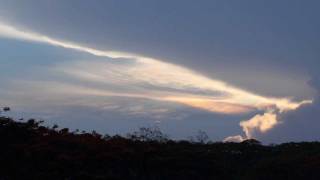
x=31, y=151
x=55, y=126
x=148, y=134
x=4, y=109
x=251, y=142
x=202, y=136
x=96, y=135
x=64, y=131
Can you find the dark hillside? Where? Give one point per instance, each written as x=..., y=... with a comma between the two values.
x=31, y=151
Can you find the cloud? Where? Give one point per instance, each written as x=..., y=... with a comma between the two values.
x=171, y=83
x=230, y=43
x=237, y=138
x=11, y=32
x=262, y=123
x=300, y=125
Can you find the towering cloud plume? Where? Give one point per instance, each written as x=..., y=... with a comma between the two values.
x=259, y=122
x=155, y=79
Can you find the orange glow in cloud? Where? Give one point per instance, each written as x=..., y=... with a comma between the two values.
x=182, y=84
x=212, y=105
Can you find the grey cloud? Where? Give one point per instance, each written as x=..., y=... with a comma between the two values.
x=267, y=47
x=122, y=115
x=300, y=125
x=228, y=40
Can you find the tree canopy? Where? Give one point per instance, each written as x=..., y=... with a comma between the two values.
x=30, y=150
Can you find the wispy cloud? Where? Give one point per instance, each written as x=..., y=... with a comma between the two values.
x=150, y=78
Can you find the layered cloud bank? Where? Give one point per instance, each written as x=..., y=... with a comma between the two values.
x=131, y=75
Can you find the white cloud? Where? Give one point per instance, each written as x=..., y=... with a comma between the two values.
x=236, y=138
x=172, y=83
x=262, y=123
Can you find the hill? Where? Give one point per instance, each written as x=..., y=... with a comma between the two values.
x=32, y=151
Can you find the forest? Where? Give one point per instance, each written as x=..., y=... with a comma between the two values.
x=30, y=150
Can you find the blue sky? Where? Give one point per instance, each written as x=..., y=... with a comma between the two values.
x=181, y=65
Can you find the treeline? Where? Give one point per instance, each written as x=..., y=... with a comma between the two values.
x=30, y=150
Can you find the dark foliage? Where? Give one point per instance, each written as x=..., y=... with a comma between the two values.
x=32, y=151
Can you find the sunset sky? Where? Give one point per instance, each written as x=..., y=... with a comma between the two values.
x=235, y=69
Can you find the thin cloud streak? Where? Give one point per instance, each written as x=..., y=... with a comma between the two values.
x=160, y=74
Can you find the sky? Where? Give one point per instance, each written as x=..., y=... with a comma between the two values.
x=235, y=69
